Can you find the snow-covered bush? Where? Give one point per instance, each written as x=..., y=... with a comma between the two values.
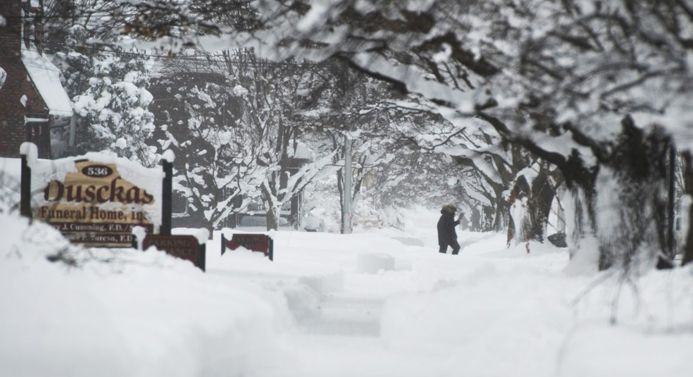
x=109, y=90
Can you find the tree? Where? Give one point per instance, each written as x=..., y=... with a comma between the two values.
x=114, y=108
x=272, y=97
x=216, y=170
x=529, y=87
x=108, y=86
x=356, y=116
x=538, y=73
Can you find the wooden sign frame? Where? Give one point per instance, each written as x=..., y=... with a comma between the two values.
x=180, y=246
x=256, y=242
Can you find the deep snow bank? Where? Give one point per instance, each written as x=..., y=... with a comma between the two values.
x=123, y=313
x=504, y=312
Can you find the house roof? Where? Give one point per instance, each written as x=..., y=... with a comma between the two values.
x=46, y=78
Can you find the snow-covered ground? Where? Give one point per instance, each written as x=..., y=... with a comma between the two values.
x=10, y=177
x=377, y=303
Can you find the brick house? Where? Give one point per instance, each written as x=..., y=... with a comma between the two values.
x=33, y=103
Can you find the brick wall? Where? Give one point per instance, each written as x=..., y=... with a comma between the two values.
x=12, y=132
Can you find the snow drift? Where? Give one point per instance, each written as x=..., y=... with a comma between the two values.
x=122, y=313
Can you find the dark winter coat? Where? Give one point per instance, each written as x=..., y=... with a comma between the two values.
x=446, y=228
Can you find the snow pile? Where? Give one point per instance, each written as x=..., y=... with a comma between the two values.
x=123, y=313
x=139, y=232
x=480, y=313
x=324, y=284
x=371, y=263
x=641, y=353
x=168, y=156
x=30, y=150
x=655, y=322
x=201, y=234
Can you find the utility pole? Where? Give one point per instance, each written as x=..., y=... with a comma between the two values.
x=347, y=213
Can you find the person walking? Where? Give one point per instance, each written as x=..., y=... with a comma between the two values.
x=446, y=230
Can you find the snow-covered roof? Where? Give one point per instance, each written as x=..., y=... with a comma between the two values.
x=46, y=77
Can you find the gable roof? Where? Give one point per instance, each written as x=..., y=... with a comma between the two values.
x=46, y=78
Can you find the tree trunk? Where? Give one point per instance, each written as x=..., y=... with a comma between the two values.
x=542, y=195
x=347, y=212
x=272, y=218
x=666, y=259
x=688, y=186
x=296, y=210
x=633, y=181
x=475, y=220
x=580, y=220
x=501, y=211
x=519, y=216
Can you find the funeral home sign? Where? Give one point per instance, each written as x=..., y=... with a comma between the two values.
x=95, y=199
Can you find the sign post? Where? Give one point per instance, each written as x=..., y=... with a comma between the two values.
x=25, y=189
x=166, y=197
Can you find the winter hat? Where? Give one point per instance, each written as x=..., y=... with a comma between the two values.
x=449, y=208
